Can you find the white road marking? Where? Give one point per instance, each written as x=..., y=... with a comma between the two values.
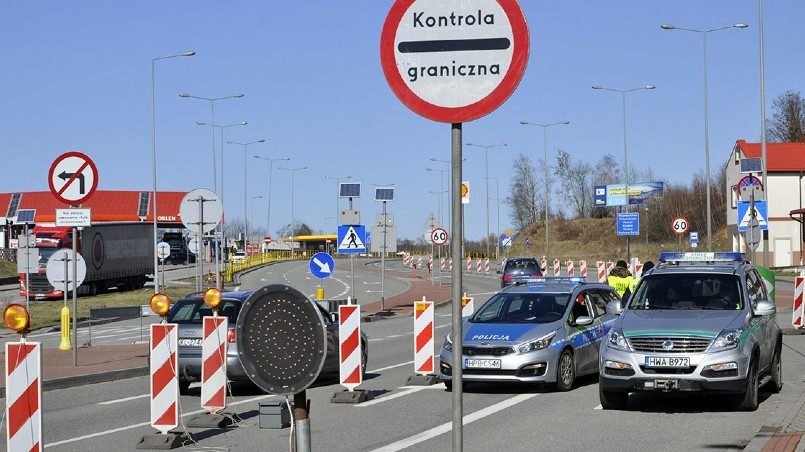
x=446, y=427
x=395, y=335
x=124, y=399
x=389, y=367
x=393, y=396
x=599, y=407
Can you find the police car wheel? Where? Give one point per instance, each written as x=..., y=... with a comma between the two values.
x=565, y=371
x=748, y=400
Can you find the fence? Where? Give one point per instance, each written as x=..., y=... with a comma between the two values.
x=255, y=260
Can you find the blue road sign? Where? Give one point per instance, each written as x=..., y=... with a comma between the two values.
x=761, y=213
x=352, y=239
x=321, y=265
x=628, y=223
x=694, y=237
x=504, y=240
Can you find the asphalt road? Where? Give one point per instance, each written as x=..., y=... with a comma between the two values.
x=113, y=416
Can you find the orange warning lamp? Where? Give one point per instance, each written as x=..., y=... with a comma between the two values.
x=16, y=317
x=212, y=297
x=160, y=304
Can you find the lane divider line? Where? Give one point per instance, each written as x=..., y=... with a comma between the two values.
x=402, y=393
x=124, y=399
x=389, y=367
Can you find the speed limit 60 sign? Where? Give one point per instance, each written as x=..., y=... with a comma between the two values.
x=680, y=225
x=438, y=236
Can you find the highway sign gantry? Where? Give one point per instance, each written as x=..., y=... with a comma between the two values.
x=321, y=265
x=73, y=177
x=454, y=61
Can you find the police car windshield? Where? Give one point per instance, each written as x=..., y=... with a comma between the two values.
x=688, y=291
x=523, y=308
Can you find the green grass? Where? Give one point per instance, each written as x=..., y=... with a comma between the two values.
x=47, y=313
x=7, y=268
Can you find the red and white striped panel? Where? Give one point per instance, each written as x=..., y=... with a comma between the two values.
x=164, y=381
x=349, y=345
x=638, y=272
x=467, y=306
x=478, y=266
x=443, y=264
x=602, y=271
x=610, y=266
x=213, y=363
x=798, y=318
x=469, y=265
x=583, y=269
x=570, y=270
x=557, y=268
x=24, y=396
x=430, y=261
x=451, y=264
x=423, y=337
x=419, y=262
x=486, y=266
x=543, y=265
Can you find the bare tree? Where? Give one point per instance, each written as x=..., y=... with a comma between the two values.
x=523, y=193
x=788, y=118
x=575, y=180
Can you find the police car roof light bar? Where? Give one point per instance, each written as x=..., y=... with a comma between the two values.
x=551, y=279
x=726, y=256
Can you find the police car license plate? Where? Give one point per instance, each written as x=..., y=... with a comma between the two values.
x=653, y=361
x=472, y=363
x=190, y=342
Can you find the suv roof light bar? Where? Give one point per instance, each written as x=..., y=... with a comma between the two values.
x=727, y=256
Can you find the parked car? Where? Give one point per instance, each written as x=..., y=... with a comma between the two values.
x=239, y=256
x=519, y=268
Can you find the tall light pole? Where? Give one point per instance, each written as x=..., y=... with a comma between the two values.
x=253, y=198
x=763, y=121
x=703, y=34
x=497, y=210
x=154, y=153
x=625, y=152
x=546, y=187
x=486, y=183
x=245, y=174
x=270, y=172
x=449, y=173
x=293, y=171
x=441, y=189
x=212, y=100
x=337, y=183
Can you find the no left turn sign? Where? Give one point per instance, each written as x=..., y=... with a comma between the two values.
x=73, y=177
x=454, y=60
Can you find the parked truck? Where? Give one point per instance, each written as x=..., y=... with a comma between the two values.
x=116, y=255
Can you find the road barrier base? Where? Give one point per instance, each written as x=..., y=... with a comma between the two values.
x=274, y=414
x=356, y=396
x=422, y=380
x=159, y=441
x=210, y=420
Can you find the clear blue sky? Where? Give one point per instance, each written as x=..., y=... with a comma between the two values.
x=76, y=75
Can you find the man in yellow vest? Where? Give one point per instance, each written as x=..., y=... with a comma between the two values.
x=620, y=278
x=646, y=267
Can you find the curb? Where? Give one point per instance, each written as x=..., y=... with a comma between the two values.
x=89, y=379
x=776, y=421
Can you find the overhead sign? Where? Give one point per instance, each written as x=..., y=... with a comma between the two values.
x=73, y=177
x=321, y=265
x=55, y=269
x=454, y=61
x=438, y=236
x=615, y=195
x=352, y=239
x=628, y=223
x=744, y=215
x=465, y=192
x=201, y=211
x=74, y=218
x=752, y=165
x=163, y=250
x=680, y=225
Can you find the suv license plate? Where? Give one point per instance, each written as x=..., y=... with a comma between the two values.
x=471, y=363
x=652, y=361
x=190, y=342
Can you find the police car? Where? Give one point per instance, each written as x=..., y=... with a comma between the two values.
x=696, y=322
x=542, y=330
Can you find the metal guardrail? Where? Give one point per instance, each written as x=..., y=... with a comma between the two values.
x=256, y=260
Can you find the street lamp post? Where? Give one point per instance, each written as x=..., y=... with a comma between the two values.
x=546, y=187
x=154, y=153
x=245, y=212
x=449, y=173
x=293, y=171
x=270, y=172
x=497, y=210
x=337, y=183
x=253, y=198
x=486, y=183
x=704, y=33
x=441, y=189
x=625, y=152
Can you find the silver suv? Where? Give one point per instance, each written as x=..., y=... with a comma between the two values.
x=696, y=322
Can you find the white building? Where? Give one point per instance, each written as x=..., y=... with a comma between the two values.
x=784, y=191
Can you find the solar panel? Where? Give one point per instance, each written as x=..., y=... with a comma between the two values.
x=142, y=208
x=26, y=216
x=349, y=190
x=13, y=205
x=384, y=194
x=751, y=165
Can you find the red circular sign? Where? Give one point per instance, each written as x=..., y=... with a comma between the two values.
x=680, y=225
x=73, y=177
x=454, y=61
x=267, y=240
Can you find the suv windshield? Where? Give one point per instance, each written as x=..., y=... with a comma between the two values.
x=521, y=266
x=191, y=311
x=688, y=291
x=523, y=308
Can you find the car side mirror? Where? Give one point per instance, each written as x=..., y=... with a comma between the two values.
x=614, y=307
x=764, y=307
x=583, y=321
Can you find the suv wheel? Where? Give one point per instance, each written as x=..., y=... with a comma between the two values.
x=565, y=371
x=612, y=400
x=776, y=383
x=748, y=401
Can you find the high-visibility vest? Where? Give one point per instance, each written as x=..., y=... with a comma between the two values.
x=619, y=283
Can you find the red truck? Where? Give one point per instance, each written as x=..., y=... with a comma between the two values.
x=116, y=255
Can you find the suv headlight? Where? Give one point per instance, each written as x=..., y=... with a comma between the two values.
x=616, y=340
x=448, y=342
x=727, y=340
x=536, y=344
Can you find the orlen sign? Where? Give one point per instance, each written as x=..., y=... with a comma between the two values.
x=167, y=218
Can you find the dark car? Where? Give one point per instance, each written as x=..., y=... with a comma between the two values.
x=519, y=268
x=188, y=312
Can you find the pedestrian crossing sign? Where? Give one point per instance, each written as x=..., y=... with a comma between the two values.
x=744, y=215
x=352, y=239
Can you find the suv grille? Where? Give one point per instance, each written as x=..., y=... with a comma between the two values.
x=487, y=351
x=39, y=283
x=654, y=344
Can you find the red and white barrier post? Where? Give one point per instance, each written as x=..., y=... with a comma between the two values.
x=451, y=263
x=164, y=380
x=583, y=269
x=478, y=266
x=350, y=353
x=467, y=306
x=486, y=266
x=610, y=266
x=424, y=362
x=24, y=396
x=543, y=265
x=213, y=363
x=570, y=270
x=602, y=271
x=557, y=268
x=798, y=317
x=443, y=264
x=469, y=264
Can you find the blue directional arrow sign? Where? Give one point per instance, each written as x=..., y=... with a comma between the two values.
x=352, y=239
x=322, y=265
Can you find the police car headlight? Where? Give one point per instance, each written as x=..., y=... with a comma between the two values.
x=448, y=342
x=536, y=344
x=616, y=340
x=727, y=340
